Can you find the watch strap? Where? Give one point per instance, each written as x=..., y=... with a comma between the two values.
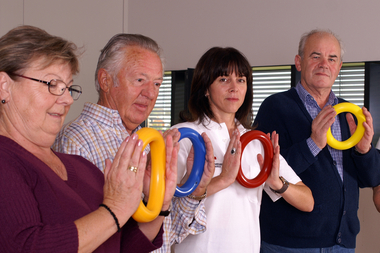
x=284, y=186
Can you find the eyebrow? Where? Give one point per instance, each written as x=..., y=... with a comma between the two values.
x=330, y=56
x=146, y=75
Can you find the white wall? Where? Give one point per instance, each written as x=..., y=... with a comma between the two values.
x=89, y=24
x=266, y=31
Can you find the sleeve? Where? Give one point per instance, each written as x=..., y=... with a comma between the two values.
x=133, y=240
x=288, y=173
x=188, y=216
x=22, y=227
x=368, y=167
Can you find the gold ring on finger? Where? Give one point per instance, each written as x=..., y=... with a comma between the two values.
x=133, y=168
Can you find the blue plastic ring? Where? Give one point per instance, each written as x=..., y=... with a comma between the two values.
x=199, y=162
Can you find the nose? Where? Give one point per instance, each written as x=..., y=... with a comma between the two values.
x=149, y=90
x=66, y=97
x=233, y=85
x=323, y=62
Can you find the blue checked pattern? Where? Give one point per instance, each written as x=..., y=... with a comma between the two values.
x=313, y=108
x=96, y=135
x=190, y=215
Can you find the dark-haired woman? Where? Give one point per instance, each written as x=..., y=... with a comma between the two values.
x=220, y=105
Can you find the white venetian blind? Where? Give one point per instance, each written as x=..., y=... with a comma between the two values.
x=349, y=84
x=267, y=81
x=159, y=118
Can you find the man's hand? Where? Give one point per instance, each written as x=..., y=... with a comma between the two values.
x=321, y=124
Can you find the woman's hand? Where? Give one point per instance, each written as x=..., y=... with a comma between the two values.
x=231, y=162
x=273, y=180
x=230, y=166
x=298, y=195
x=123, y=187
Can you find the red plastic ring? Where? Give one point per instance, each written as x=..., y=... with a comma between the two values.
x=268, y=158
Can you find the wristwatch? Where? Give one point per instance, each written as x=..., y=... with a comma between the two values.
x=283, y=188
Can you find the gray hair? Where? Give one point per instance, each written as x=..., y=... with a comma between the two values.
x=112, y=54
x=307, y=35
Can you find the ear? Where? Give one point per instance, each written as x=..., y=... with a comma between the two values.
x=105, y=80
x=207, y=93
x=4, y=86
x=297, y=62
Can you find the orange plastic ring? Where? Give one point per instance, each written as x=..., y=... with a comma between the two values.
x=157, y=179
x=268, y=158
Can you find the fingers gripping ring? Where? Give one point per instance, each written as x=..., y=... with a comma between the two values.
x=157, y=180
x=268, y=158
x=199, y=162
x=356, y=137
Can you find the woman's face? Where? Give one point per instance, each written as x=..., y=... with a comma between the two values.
x=35, y=114
x=226, y=94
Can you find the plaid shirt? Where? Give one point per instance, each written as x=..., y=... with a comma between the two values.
x=313, y=108
x=96, y=135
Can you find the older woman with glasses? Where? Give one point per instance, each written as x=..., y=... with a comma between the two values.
x=53, y=202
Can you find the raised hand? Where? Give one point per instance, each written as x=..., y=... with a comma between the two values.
x=123, y=185
x=364, y=145
x=321, y=124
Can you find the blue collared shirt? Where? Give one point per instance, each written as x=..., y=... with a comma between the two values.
x=313, y=108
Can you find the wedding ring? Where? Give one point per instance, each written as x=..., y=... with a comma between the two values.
x=233, y=151
x=133, y=168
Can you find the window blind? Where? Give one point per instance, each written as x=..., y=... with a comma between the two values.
x=349, y=84
x=267, y=81
x=159, y=118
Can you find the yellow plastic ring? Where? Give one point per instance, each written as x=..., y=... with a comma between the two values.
x=157, y=179
x=356, y=137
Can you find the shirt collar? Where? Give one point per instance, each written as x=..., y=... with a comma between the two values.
x=107, y=116
x=306, y=98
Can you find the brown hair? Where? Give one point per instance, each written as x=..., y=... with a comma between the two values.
x=25, y=44
x=217, y=62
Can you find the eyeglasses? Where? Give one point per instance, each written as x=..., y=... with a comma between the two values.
x=58, y=87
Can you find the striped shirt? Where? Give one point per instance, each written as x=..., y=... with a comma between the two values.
x=313, y=108
x=96, y=135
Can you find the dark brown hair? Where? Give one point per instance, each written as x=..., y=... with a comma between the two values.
x=214, y=63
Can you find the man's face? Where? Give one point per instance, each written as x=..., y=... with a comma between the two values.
x=139, y=79
x=321, y=62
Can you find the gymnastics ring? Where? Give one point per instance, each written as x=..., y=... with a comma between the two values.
x=157, y=180
x=268, y=158
x=356, y=137
x=199, y=162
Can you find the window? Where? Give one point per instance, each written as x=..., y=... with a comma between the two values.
x=159, y=118
x=349, y=84
x=267, y=81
